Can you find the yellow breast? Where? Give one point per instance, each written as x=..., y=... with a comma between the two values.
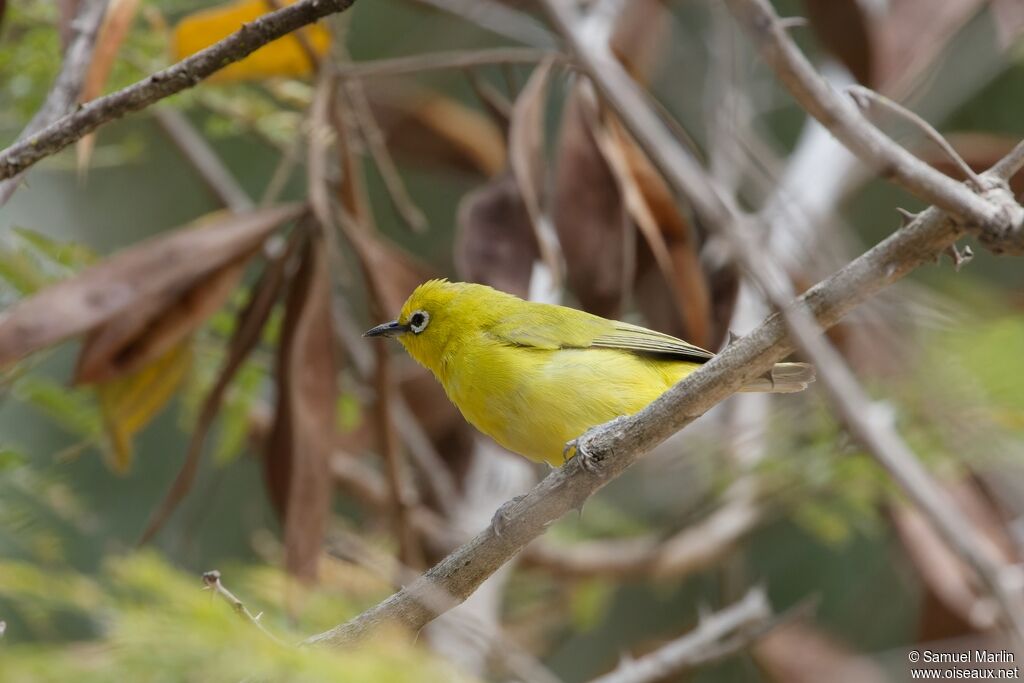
x=532, y=401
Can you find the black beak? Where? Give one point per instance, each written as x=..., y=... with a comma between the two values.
x=391, y=329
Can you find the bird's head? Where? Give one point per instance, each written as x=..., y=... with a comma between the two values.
x=436, y=312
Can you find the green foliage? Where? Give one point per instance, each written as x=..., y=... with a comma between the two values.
x=74, y=410
x=150, y=622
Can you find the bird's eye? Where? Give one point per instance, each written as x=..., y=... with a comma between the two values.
x=418, y=321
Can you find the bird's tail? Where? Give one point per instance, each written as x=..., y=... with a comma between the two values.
x=784, y=378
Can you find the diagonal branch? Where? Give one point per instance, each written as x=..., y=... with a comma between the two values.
x=185, y=74
x=67, y=87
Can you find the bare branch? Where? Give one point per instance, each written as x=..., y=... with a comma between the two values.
x=67, y=88
x=716, y=636
x=185, y=74
x=440, y=61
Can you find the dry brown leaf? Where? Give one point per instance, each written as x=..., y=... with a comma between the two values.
x=527, y=160
x=249, y=324
x=495, y=244
x=639, y=37
x=113, y=31
x=668, y=235
x=589, y=214
x=846, y=28
x=154, y=269
x=148, y=331
x=303, y=435
x=432, y=129
x=800, y=652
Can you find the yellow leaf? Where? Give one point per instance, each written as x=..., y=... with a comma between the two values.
x=285, y=56
x=129, y=402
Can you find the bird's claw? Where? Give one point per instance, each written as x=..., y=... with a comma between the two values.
x=587, y=460
x=500, y=520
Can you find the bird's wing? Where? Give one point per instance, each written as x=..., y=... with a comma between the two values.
x=544, y=326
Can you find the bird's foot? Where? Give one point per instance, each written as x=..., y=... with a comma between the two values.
x=500, y=520
x=589, y=461
x=577, y=448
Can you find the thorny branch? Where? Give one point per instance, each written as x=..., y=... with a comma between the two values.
x=212, y=581
x=185, y=74
x=616, y=445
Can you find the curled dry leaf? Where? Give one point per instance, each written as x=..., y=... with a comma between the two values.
x=667, y=233
x=303, y=434
x=155, y=269
x=528, y=163
x=151, y=329
x=249, y=325
x=424, y=127
x=639, y=36
x=495, y=243
x=588, y=213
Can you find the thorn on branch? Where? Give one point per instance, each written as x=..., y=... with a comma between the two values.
x=906, y=217
x=789, y=23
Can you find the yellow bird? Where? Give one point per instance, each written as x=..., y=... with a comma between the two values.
x=535, y=376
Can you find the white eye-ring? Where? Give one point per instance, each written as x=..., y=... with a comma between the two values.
x=418, y=321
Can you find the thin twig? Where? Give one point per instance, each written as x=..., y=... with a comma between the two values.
x=212, y=581
x=185, y=74
x=439, y=61
x=67, y=88
x=865, y=97
x=359, y=106
x=717, y=635
x=203, y=158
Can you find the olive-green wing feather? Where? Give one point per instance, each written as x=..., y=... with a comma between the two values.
x=545, y=326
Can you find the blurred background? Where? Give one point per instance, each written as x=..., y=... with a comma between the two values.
x=232, y=418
